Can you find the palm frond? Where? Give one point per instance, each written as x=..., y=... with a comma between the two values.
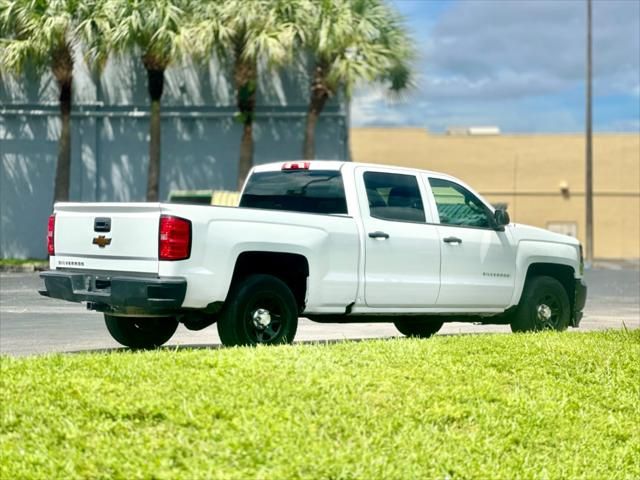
x=33, y=32
x=359, y=41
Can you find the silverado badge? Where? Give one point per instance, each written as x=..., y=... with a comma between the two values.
x=101, y=241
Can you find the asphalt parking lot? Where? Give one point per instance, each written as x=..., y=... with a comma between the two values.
x=31, y=324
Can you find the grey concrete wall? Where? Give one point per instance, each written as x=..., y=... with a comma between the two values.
x=200, y=138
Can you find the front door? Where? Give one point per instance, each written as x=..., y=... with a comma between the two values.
x=402, y=251
x=478, y=262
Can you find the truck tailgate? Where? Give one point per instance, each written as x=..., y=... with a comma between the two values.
x=118, y=237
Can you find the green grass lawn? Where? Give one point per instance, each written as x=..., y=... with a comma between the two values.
x=469, y=407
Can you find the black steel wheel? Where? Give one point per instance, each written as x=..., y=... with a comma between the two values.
x=414, y=327
x=260, y=310
x=544, y=306
x=141, y=332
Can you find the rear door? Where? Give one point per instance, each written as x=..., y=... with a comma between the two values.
x=402, y=251
x=117, y=237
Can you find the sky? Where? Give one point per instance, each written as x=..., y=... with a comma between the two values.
x=516, y=64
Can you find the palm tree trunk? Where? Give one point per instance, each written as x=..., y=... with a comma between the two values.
x=63, y=165
x=62, y=70
x=246, y=153
x=315, y=108
x=155, y=84
x=319, y=97
x=308, y=150
x=153, y=177
x=245, y=77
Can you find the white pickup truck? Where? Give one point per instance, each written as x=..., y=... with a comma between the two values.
x=330, y=241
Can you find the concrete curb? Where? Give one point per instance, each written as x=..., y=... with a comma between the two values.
x=25, y=267
x=624, y=264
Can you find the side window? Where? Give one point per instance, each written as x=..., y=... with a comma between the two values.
x=458, y=206
x=394, y=196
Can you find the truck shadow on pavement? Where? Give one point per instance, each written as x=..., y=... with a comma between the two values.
x=217, y=346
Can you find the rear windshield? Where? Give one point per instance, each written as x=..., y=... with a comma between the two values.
x=309, y=191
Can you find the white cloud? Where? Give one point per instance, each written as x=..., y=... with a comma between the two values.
x=520, y=48
x=372, y=106
x=517, y=64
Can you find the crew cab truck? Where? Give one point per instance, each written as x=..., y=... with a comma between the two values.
x=330, y=241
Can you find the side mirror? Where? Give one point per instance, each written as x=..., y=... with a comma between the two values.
x=501, y=218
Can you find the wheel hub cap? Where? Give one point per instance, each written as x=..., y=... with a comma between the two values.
x=544, y=312
x=261, y=318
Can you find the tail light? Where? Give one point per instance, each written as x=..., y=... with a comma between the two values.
x=51, y=226
x=174, y=241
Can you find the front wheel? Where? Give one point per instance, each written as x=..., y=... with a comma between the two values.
x=418, y=328
x=544, y=306
x=141, y=332
x=260, y=310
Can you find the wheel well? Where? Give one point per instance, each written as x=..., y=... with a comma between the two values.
x=562, y=273
x=291, y=268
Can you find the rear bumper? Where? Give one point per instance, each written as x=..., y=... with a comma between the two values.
x=580, y=301
x=119, y=294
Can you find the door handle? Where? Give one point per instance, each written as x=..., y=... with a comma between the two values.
x=452, y=240
x=378, y=234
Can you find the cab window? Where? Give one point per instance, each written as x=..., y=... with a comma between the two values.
x=394, y=196
x=458, y=206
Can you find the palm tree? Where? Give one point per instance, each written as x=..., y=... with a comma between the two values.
x=243, y=33
x=153, y=28
x=39, y=33
x=352, y=41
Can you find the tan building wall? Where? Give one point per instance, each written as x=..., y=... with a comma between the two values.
x=527, y=172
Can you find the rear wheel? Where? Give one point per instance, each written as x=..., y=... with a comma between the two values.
x=260, y=310
x=141, y=332
x=544, y=306
x=418, y=328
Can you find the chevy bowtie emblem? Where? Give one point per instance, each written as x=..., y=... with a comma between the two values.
x=101, y=241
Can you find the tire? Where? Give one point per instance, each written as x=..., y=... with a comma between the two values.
x=141, y=332
x=260, y=310
x=417, y=327
x=544, y=306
